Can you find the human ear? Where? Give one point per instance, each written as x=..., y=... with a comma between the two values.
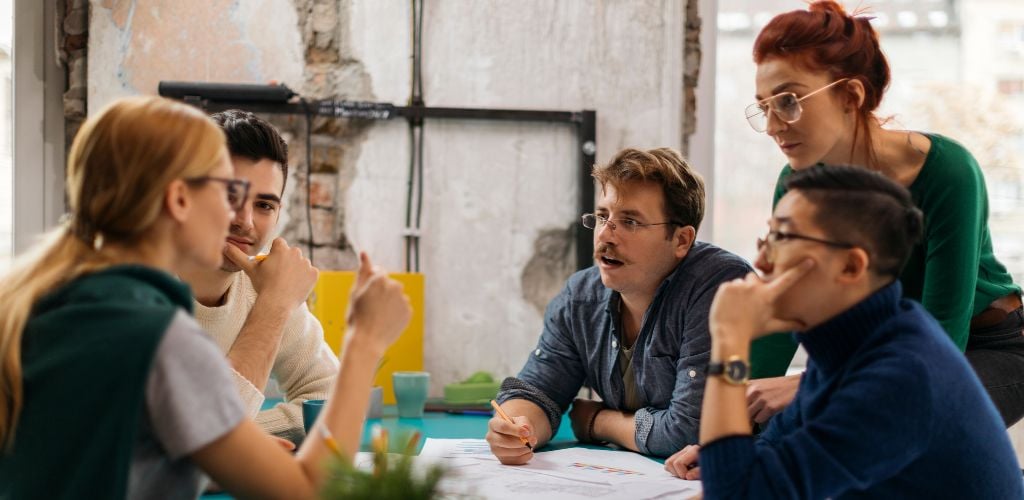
x=855, y=267
x=177, y=200
x=683, y=239
x=855, y=94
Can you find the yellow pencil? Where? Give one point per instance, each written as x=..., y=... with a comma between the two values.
x=509, y=420
x=258, y=258
x=379, y=440
x=330, y=442
x=410, y=447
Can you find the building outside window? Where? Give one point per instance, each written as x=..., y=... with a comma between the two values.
x=6, y=135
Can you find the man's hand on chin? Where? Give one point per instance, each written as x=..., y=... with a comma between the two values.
x=284, y=277
x=743, y=309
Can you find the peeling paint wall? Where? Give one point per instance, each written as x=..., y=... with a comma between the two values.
x=498, y=197
x=133, y=44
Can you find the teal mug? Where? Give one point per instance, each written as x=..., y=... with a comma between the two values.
x=410, y=392
x=310, y=411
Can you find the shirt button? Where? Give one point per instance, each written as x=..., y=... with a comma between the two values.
x=615, y=344
x=537, y=352
x=693, y=373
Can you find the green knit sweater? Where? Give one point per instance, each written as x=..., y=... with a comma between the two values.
x=952, y=272
x=86, y=354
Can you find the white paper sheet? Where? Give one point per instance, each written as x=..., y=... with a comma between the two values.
x=573, y=473
x=456, y=448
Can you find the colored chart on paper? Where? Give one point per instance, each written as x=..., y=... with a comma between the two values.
x=470, y=448
x=457, y=448
x=605, y=469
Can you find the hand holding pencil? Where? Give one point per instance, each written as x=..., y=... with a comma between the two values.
x=511, y=438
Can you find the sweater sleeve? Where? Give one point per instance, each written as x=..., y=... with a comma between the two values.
x=825, y=457
x=305, y=368
x=955, y=204
x=770, y=356
x=252, y=397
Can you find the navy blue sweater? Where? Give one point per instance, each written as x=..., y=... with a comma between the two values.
x=888, y=408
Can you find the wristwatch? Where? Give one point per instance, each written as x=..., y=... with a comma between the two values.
x=734, y=370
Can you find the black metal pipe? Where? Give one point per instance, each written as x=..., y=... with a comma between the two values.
x=386, y=111
x=587, y=140
x=585, y=121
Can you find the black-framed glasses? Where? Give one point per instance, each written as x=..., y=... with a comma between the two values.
x=237, y=189
x=594, y=221
x=773, y=238
x=785, y=105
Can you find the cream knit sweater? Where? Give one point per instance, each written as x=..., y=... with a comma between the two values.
x=305, y=366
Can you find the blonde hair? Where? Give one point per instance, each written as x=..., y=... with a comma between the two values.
x=119, y=167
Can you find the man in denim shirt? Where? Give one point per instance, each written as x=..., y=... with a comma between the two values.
x=634, y=327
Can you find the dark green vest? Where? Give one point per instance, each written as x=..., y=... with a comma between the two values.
x=86, y=355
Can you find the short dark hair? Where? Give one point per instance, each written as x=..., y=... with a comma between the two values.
x=250, y=136
x=682, y=186
x=864, y=208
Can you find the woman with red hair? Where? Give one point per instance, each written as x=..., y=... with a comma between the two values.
x=820, y=77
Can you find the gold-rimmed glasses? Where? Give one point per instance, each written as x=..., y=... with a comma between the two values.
x=785, y=105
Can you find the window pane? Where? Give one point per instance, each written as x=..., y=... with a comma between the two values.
x=6, y=136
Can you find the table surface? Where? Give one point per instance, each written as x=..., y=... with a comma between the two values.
x=439, y=425
x=443, y=425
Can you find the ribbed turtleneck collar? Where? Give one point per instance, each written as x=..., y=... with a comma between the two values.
x=831, y=343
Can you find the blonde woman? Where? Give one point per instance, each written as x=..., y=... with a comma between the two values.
x=108, y=388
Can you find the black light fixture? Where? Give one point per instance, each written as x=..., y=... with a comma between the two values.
x=225, y=92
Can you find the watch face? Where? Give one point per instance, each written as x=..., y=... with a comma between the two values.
x=736, y=370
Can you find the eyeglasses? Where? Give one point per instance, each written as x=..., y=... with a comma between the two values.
x=785, y=105
x=237, y=189
x=773, y=238
x=594, y=221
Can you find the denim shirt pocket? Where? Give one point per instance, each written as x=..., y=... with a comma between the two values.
x=659, y=380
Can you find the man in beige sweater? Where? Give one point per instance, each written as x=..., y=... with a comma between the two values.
x=255, y=310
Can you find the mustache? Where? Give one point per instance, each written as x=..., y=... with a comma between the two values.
x=607, y=250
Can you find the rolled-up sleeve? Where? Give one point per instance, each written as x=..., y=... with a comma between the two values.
x=554, y=372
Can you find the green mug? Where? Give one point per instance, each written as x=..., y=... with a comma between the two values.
x=410, y=392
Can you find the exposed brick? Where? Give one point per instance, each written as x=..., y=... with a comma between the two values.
x=323, y=190
x=72, y=46
x=326, y=157
x=76, y=42
x=76, y=22
x=691, y=68
x=324, y=224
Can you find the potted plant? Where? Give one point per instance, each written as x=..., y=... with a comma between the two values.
x=391, y=476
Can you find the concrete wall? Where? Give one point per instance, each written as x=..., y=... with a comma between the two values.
x=499, y=197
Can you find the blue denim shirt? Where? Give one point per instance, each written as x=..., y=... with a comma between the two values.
x=580, y=345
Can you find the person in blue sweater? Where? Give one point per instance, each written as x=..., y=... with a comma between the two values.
x=888, y=406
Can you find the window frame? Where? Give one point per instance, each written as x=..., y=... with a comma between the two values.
x=38, y=140
x=702, y=142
